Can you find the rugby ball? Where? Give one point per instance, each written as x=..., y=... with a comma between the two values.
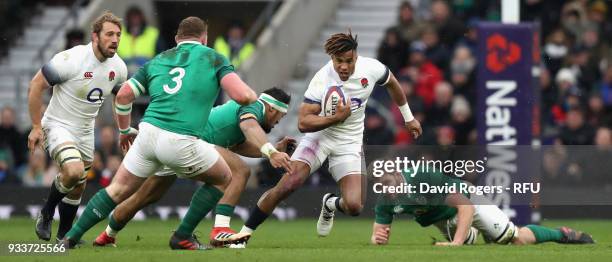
x=333, y=96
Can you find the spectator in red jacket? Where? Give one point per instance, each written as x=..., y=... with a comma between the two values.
x=423, y=72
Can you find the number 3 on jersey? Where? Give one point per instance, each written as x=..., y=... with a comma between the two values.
x=177, y=79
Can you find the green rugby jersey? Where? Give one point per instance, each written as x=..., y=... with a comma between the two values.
x=183, y=83
x=223, y=128
x=427, y=208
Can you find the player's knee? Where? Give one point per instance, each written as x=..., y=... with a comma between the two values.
x=118, y=192
x=73, y=172
x=76, y=192
x=241, y=173
x=353, y=208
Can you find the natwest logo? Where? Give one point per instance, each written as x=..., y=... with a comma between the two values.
x=501, y=53
x=88, y=75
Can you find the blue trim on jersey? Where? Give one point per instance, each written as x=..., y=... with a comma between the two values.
x=50, y=74
x=311, y=101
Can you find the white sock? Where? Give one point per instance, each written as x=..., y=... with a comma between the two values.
x=331, y=203
x=222, y=221
x=110, y=232
x=246, y=229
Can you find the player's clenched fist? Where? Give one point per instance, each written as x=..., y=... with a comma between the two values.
x=343, y=111
x=35, y=137
x=414, y=127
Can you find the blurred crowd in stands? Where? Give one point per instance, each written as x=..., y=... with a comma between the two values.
x=432, y=51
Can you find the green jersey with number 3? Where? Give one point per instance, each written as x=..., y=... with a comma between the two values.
x=183, y=83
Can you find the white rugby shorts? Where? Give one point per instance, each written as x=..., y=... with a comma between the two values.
x=186, y=156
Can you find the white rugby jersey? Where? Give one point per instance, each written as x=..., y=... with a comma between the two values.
x=368, y=73
x=80, y=84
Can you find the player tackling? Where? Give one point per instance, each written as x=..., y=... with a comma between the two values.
x=183, y=82
x=81, y=77
x=231, y=128
x=338, y=136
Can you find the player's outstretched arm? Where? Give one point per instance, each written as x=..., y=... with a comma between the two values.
x=380, y=234
x=35, y=92
x=398, y=96
x=253, y=133
x=310, y=121
x=465, y=214
x=237, y=89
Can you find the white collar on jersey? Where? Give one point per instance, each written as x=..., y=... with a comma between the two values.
x=189, y=42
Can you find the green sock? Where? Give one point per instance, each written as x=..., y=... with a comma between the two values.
x=544, y=234
x=204, y=200
x=114, y=224
x=224, y=209
x=97, y=210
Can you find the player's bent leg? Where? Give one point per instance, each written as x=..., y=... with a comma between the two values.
x=216, y=177
x=102, y=203
x=150, y=192
x=288, y=183
x=350, y=202
x=285, y=187
x=68, y=158
x=225, y=208
x=69, y=205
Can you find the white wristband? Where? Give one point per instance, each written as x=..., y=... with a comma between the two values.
x=267, y=149
x=406, y=113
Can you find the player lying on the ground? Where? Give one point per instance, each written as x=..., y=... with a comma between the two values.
x=81, y=77
x=460, y=217
x=183, y=82
x=242, y=129
x=337, y=135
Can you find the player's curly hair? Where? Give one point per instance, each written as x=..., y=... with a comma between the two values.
x=106, y=16
x=340, y=43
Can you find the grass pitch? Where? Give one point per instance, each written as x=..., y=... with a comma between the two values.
x=297, y=241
